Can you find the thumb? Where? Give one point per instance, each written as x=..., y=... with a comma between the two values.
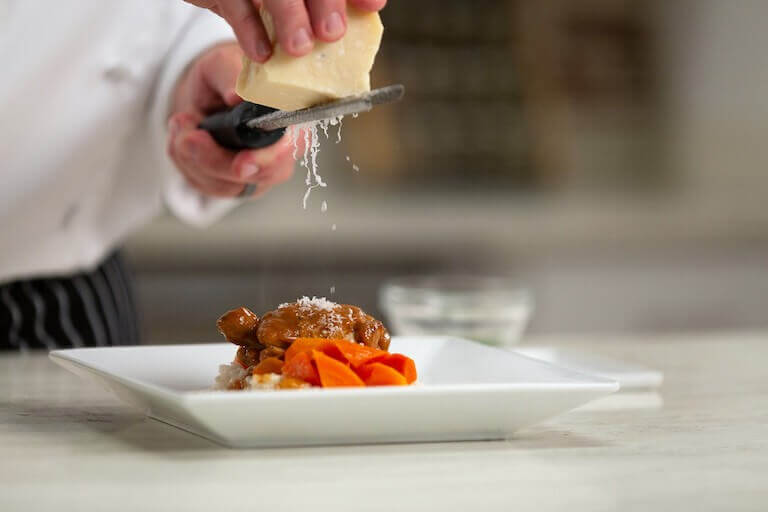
x=219, y=71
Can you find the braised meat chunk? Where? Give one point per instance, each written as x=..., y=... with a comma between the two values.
x=320, y=318
x=240, y=327
x=305, y=318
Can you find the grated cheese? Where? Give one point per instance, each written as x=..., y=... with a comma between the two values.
x=305, y=302
x=311, y=136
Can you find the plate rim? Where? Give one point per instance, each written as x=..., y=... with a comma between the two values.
x=590, y=382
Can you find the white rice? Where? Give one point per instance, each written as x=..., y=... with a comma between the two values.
x=229, y=374
x=266, y=382
x=233, y=373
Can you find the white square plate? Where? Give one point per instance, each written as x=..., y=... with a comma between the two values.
x=466, y=391
x=630, y=376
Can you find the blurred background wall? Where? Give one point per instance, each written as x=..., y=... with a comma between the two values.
x=609, y=154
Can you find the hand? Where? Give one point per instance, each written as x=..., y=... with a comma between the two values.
x=209, y=86
x=297, y=22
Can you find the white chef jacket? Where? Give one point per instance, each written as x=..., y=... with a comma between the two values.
x=85, y=87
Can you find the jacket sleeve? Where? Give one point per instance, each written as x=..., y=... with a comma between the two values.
x=201, y=31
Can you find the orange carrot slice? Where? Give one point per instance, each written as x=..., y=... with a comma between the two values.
x=356, y=354
x=268, y=365
x=404, y=365
x=300, y=366
x=379, y=374
x=307, y=345
x=334, y=373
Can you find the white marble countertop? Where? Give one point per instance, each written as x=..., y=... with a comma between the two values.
x=67, y=445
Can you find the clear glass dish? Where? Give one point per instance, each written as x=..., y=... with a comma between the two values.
x=491, y=310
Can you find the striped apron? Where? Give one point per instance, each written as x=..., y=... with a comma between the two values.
x=94, y=308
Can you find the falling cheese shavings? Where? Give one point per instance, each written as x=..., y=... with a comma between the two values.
x=354, y=165
x=338, y=134
x=324, y=207
x=311, y=139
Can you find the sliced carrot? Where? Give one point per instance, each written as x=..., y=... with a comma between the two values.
x=300, y=366
x=403, y=364
x=379, y=374
x=334, y=373
x=303, y=345
x=331, y=350
x=356, y=354
x=343, y=350
x=314, y=352
x=268, y=365
x=364, y=371
x=306, y=345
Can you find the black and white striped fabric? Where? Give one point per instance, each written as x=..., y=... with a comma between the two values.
x=90, y=309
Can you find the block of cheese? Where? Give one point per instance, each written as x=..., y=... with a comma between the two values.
x=330, y=71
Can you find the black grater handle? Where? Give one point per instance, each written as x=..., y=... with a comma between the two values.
x=229, y=128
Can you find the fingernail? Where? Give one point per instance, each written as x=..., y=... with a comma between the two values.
x=249, y=170
x=263, y=50
x=334, y=25
x=301, y=41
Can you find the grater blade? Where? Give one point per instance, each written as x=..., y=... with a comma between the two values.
x=344, y=106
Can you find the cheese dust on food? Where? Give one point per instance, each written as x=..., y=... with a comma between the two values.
x=329, y=323
x=305, y=302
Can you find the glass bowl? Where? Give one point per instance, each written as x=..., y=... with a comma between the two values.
x=491, y=310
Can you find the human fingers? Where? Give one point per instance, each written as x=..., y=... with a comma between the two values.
x=205, y=164
x=368, y=5
x=198, y=152
x=218, y=72
x=277, y=174
x=211, y=186
x=244, y=18
x=271, y=168
x=329, y=18
x=292, y=25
